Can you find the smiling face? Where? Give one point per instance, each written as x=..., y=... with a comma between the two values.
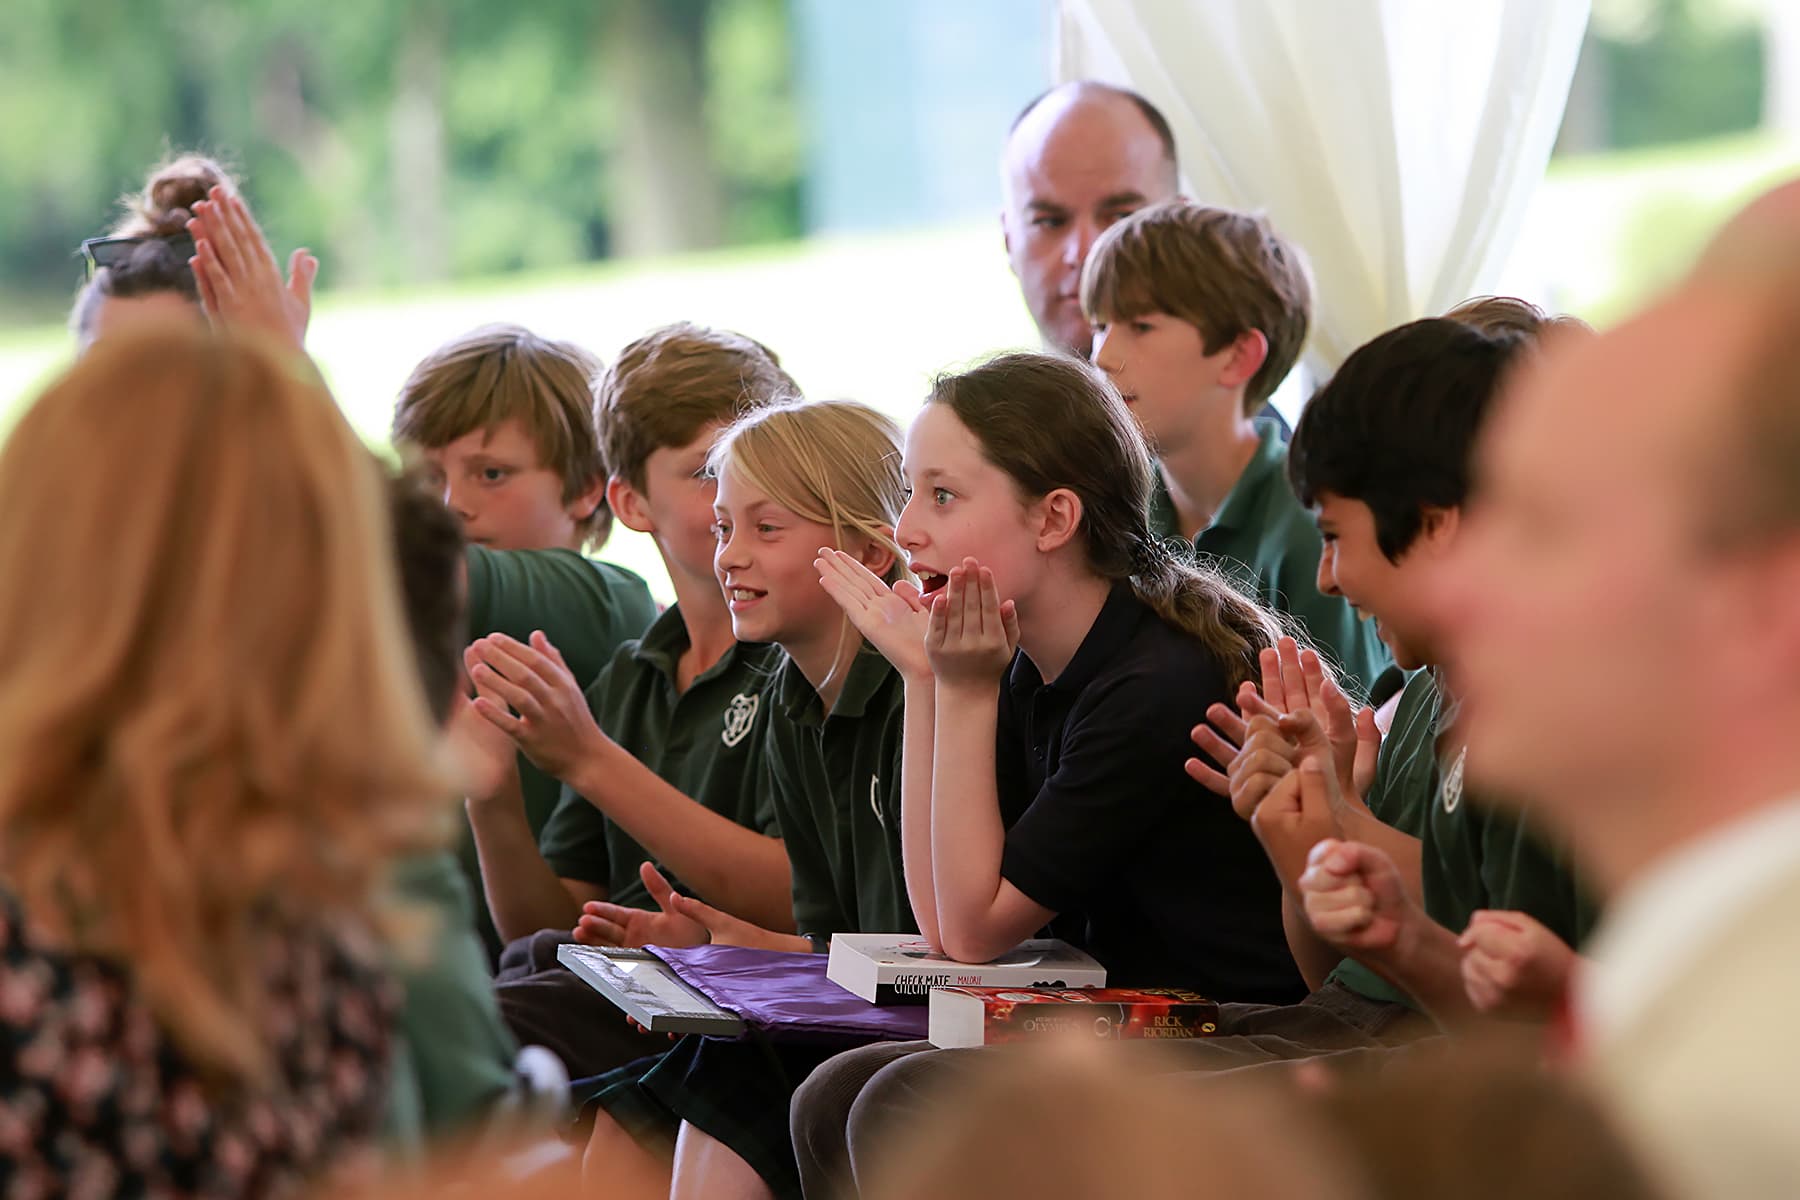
x=1078, y=162
x=506, y=499
x=962, y=505
x=763, y=558
x=1352, y=565
x=1160, y=365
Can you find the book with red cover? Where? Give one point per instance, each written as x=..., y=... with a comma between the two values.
x=988, y=1016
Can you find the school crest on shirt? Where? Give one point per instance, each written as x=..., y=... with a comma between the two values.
x=1453, y=782
x=740, y=716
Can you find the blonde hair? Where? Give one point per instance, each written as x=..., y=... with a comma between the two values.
x=675, y=381
x=831, y=462
x=1223, y=272
x=500, y=372
x=1052, y=422
x=209, y=719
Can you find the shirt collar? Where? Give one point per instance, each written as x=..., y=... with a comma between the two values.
x=800, y=700
x=663, y=644
x=1106, y=637
x=1666, y=918
x=1244, y=502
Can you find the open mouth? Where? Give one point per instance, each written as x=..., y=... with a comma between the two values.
x=931, y=581
x=743, y=595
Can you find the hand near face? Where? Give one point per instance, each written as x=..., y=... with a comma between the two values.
x=894, y=619
x=240, y=285
x=972, y=634
x=1513, y=966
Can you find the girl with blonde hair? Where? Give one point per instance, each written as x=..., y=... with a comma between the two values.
x=212, y=745
x=791, y=478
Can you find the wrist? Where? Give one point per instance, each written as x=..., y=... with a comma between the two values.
x=592, y=767
x=968, y=692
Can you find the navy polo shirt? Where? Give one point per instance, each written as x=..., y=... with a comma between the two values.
x=1147, y=870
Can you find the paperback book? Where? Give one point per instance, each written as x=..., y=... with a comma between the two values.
x=990, y=1016
x=892, y=968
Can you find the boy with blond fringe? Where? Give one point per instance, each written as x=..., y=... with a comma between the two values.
x=1198, y=314
x=502, y=421
x=662, y=760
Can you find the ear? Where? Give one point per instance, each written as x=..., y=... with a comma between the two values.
x=582, y=507
x=1058, y=518
x=628, y=505
x=1006, y=234
x=1438, y=526
x=875, y=554
x=1247, y=353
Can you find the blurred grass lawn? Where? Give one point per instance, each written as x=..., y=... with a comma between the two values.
x=873, y=318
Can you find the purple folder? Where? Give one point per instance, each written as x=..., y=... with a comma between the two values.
x=786, y=997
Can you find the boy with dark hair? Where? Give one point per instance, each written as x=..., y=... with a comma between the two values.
x=1198, y=315
x=503, y=422
x=662, y=760
x=1393, y=432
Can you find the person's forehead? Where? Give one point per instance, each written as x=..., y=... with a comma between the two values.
x=1645, y=399
x=1086, y=149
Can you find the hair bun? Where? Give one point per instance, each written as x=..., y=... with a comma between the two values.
x=167, y=202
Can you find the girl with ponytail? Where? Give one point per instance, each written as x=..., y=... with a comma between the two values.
x=1054, y=654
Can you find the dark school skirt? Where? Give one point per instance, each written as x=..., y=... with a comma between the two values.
x=737, y=1092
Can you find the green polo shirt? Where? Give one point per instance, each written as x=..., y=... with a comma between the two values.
x=1472, y=854
x=1406, y=778
x=1263, y=538
x=586, y=608
x=837, y=798
x=1481, y=855
x=454, y=1055
x=707, y=742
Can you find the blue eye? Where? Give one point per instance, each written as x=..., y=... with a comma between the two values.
x=941, y=496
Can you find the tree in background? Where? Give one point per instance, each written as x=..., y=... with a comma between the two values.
x=406, y=140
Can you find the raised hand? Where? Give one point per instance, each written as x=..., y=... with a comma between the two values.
x=894, y=619
x=553, y=725
x=1219, y=739
x=973, y=633
x=1354, y=898
x=1513, y=966
x=240, y=285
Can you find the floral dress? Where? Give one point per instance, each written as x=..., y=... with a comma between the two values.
x=96, y=1100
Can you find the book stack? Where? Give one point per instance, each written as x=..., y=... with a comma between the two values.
x=887, y=968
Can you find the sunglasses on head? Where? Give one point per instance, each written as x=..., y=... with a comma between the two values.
x=110, y=251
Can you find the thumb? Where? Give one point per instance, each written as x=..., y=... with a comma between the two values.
x=1368, y=750
x=698, y=910
x=1304, y=727
x=303, y=268
x=660, y=889
x=908, y=591
x=1314, y=794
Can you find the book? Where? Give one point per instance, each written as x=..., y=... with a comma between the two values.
x=989, y=1016
x=649, y=991
x=897, y=968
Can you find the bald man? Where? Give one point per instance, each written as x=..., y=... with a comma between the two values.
x=1080, y=157
x=1641, y=527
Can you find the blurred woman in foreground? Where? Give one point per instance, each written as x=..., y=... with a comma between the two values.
x=212, y=744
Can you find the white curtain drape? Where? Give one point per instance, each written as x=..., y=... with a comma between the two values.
x=1398, y=142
